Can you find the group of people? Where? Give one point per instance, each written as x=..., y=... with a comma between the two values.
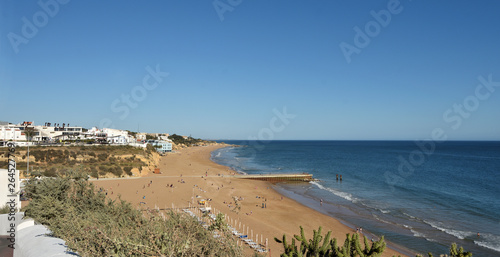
x=338, y=177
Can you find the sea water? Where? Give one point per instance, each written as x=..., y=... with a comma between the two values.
x=421, y=197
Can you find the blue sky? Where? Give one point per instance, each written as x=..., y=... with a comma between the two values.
x=228, y=78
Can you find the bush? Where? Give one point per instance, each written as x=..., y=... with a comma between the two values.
x=102, y=156
x=52, y=172
x=128, y=170
x=5, y=209
x=95, y=226
x=116, y=170
x=94, y=172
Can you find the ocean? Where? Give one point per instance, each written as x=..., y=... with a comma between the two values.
x=420, y=195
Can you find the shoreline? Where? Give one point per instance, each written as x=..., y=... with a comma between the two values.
x=190, y=175
x=402, y=250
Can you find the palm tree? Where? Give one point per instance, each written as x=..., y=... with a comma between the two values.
x=29, y=132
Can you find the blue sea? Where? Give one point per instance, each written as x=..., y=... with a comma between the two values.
x=419, y=195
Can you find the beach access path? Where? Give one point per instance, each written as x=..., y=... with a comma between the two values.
x=189, y=175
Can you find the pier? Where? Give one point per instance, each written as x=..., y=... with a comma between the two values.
x=304, y=177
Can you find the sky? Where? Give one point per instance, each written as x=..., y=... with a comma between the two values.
x=265, y=70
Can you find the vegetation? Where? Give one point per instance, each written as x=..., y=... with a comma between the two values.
x=189, y=141
x=150, y=137
x=320, y=246
x=5, y=209
x=93, y=225
x=52, y=161
x=29, y=132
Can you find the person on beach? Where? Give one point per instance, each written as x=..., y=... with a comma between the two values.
x=321, y=202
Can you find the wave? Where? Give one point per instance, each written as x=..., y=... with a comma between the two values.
x=489, y=241
x=416, y=233
x=486, y=240
x=344, y=195
x=456, y=233
x=410, y=216
x=382, y=220
x=383, y=211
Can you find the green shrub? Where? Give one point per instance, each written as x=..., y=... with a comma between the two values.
x=116, y=170
x=94, y=172
x=52, y=172
x=102, y=156
x=5, y=209
x=95, y=226
x=128, y=170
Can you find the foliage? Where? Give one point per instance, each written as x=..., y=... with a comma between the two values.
x=150, y=149
x=29, y=132
x=128, y=170
x=219, y=223
x=94, y=172
x=319, y=246
x=189, y=141
x=5, y=209
x=454, y=252
x=93, y=225
x=53, y=160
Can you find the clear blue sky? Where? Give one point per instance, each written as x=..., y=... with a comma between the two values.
x=225, y=77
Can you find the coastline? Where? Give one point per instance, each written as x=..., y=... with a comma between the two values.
x=190, y=172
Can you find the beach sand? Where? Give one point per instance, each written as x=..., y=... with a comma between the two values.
x=281, y=215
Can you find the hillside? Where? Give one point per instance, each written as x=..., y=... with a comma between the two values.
x=97, y=161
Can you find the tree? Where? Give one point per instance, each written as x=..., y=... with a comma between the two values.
x=29, y=132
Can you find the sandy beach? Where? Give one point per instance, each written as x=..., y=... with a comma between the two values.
x=189, y=173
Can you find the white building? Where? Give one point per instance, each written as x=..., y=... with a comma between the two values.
x=141, y=136
x=161, y=146
x=117, y=136
x=111, y=136
x=46, y=133
x=11, y=132
x=165, y=138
